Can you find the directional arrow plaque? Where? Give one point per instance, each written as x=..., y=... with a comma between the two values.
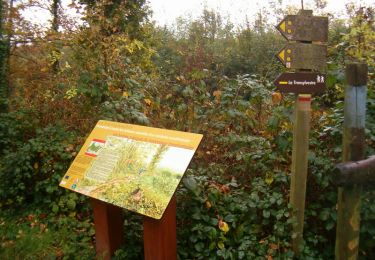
x=304, y=28
x=301, y=82
x=304, y=56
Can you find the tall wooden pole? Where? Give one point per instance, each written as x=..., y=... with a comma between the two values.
x=349, y=197
x=302, y=115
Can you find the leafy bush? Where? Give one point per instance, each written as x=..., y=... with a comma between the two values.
x=228, y=221
x=32, y=162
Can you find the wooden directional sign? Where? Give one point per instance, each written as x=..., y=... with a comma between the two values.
x=304, y=56
x=301, y=82
x=304, y=28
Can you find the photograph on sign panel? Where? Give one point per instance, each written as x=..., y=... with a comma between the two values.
x=136, y=175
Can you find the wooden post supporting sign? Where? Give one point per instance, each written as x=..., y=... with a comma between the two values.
x=108, y=222
x=159, y=236
x=302, y=114
x=349, y=196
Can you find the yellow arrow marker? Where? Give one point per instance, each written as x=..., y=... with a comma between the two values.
x=282, y=55
x=283, y=82
x=283, y=26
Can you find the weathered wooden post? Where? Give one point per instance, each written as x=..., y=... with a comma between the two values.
x=348, y=214
x=108, y=221
x=159, y=236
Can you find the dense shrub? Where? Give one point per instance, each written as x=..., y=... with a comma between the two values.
x=32, y=161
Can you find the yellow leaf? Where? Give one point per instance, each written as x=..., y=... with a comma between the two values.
x=36, y=166
x=274, y=246
x=223, y=226
x=208, y=204
x=221, y=245
x=217, y=95
x=269, y=178
x=276, y=97
x=148, y=101
x=125, y=94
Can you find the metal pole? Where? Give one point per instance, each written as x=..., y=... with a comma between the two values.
x=349, y=197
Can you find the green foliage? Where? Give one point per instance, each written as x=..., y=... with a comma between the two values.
x=35, y=236
x=211, y=42
x=33, y=160
x=118, y=16
x=257, y=218
x=202, y=76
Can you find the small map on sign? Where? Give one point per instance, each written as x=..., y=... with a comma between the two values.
x=134, y=167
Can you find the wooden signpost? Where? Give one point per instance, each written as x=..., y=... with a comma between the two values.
x=307, y=60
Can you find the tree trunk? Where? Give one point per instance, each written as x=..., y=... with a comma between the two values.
x=55, y=15
x=4, y=55
x=55, y=29
x=3, y=86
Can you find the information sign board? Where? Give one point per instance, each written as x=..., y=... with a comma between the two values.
x=301, y=82
x=131, y=166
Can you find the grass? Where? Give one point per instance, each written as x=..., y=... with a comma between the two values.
x=35, y=236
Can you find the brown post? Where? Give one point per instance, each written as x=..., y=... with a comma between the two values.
x=159, y=236
x=349, y=196
x=108, y=222
x=301, y=129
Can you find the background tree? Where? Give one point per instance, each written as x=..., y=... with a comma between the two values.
x=55, y=24
x=3, y=58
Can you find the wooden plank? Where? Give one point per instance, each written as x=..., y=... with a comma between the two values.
x=349, y=197
x=108, y=221
x=359, y=172
x=159, y=236
x=301, y=130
